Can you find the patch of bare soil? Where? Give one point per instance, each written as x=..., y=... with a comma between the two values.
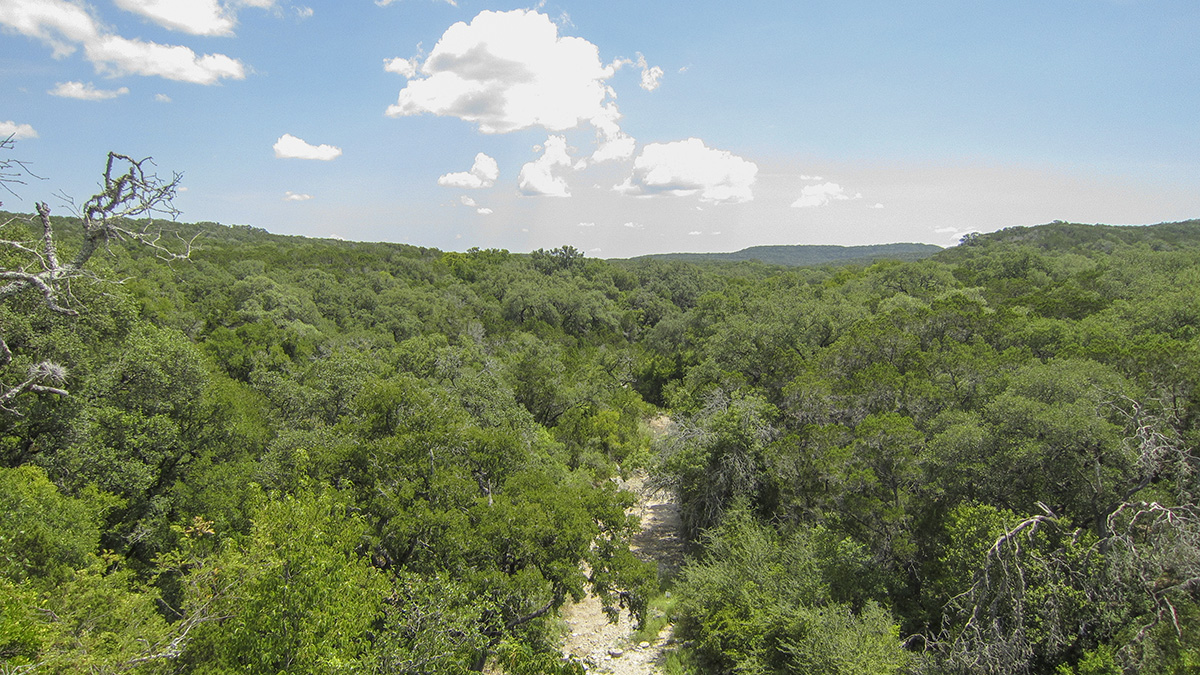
x=605, y=647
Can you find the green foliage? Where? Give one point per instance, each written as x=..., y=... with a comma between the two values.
x=758, y=602
x=428, y=626
x=1096, y=662
x=516, y=658
x=713, y=461
x=22, y=634
x=46, y=535
x=564, y=258
x=313, y=456
x=98, y=619
x=295, y=596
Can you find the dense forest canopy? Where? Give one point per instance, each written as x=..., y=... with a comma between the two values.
x=310, y=456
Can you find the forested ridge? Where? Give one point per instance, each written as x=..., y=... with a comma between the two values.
x=292, y=455
x=808, y=255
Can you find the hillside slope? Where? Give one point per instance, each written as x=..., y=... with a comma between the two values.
x=807, y=255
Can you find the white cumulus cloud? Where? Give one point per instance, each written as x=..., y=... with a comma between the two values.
x=821, y=194
x=67, y=26
x=403, y=67
x=16, y=131
x=651, y=75
x=537, y=178
x=85, y=92
x=611, y=142
x=483, y=174
x=290, y=147
x=690, y=167
x=506, y=71
x=290, y=196
x=162, y=98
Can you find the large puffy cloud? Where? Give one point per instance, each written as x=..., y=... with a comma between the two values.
x=16, y=131
x=65, y=26
x=483, y=174
x=821, y=194
x=691, y=168
x=506, y=71
x=290, y=147
x=537, y=178
x=85, y=92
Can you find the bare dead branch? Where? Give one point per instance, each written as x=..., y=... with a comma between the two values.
x=42, y=372
x=13, y=171
x=129, y=189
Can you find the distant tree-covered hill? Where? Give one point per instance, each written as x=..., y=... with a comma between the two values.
x=287, y=454
x=1081, y=238
x=808, y=256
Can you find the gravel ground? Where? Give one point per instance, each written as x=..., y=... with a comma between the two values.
x=607, y=647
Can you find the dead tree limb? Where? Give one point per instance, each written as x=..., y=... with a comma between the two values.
x=130, y=189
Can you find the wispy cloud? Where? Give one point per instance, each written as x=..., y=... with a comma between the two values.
x=651, y=75
x=85, y=92
x=481, y=210
x=66, y=26
x=197, y=17
x=821, y=194
x=385, y=3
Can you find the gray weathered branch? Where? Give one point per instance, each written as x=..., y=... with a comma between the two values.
x=130, y=189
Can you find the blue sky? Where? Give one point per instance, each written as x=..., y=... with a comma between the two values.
x=621, y=128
